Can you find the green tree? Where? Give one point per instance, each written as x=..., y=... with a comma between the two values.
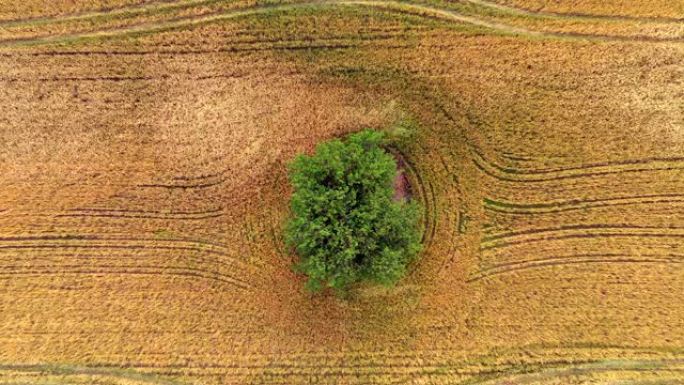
x=346, y=226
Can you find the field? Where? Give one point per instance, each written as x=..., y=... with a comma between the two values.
x=143, y=162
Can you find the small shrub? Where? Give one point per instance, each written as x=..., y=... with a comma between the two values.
x=346, y=226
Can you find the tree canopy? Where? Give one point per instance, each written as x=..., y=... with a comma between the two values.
x=346, y=225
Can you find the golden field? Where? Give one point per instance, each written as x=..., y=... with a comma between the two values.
x=143, y=153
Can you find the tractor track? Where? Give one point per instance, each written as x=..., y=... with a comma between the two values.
x=37, y=254
x=142, y=244
x=420, y=10
x=178, y=52
x=162, y=214
x=616, y=163
x=512, y=234
x=55, y=268
x=157, y=5
x=575, y=172
x=139, y=216
x=580, y=236
x=112, y=271
x=574, y=15
x=421, y=362
x=578, y=204
x=111, y=247
x=260, y=45
x=551, y=373
x=607, y=258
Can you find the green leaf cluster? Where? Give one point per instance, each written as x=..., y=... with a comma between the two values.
x=346, y=226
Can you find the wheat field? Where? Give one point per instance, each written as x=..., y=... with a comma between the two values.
x=143, y=162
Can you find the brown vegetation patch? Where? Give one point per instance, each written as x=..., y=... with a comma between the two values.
x=402, y=186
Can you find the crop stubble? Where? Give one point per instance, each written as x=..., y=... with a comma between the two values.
x=144, y=185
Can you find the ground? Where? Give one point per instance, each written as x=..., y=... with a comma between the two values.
x=143, y=162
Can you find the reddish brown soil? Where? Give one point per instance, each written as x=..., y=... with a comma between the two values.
x=402, y=187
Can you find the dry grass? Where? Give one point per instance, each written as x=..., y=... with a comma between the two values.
x=144, y=186
x=21, y=9
x=629, y=8
x=158, y=17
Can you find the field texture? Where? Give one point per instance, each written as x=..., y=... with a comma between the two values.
x=143, y=152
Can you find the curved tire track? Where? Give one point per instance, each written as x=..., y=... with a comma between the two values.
x=603, y=233
x=142, y=214
x=426, y=195
x=92, y=242
x=137, y=270
x=607, y=258
x=576, y=16
x=62, y=372
x=420, y=10
x=574, y=172
x=578, y=204
x=620, y=368
x=582, y=227
x=431, y=365
x=24, y=269
x=123, y=11
x=154, y=246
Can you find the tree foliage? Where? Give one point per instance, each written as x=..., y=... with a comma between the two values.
x=346, y=225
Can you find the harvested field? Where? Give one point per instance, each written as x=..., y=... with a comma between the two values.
x=653, y=9
x=144, y=186
x=13, y=10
